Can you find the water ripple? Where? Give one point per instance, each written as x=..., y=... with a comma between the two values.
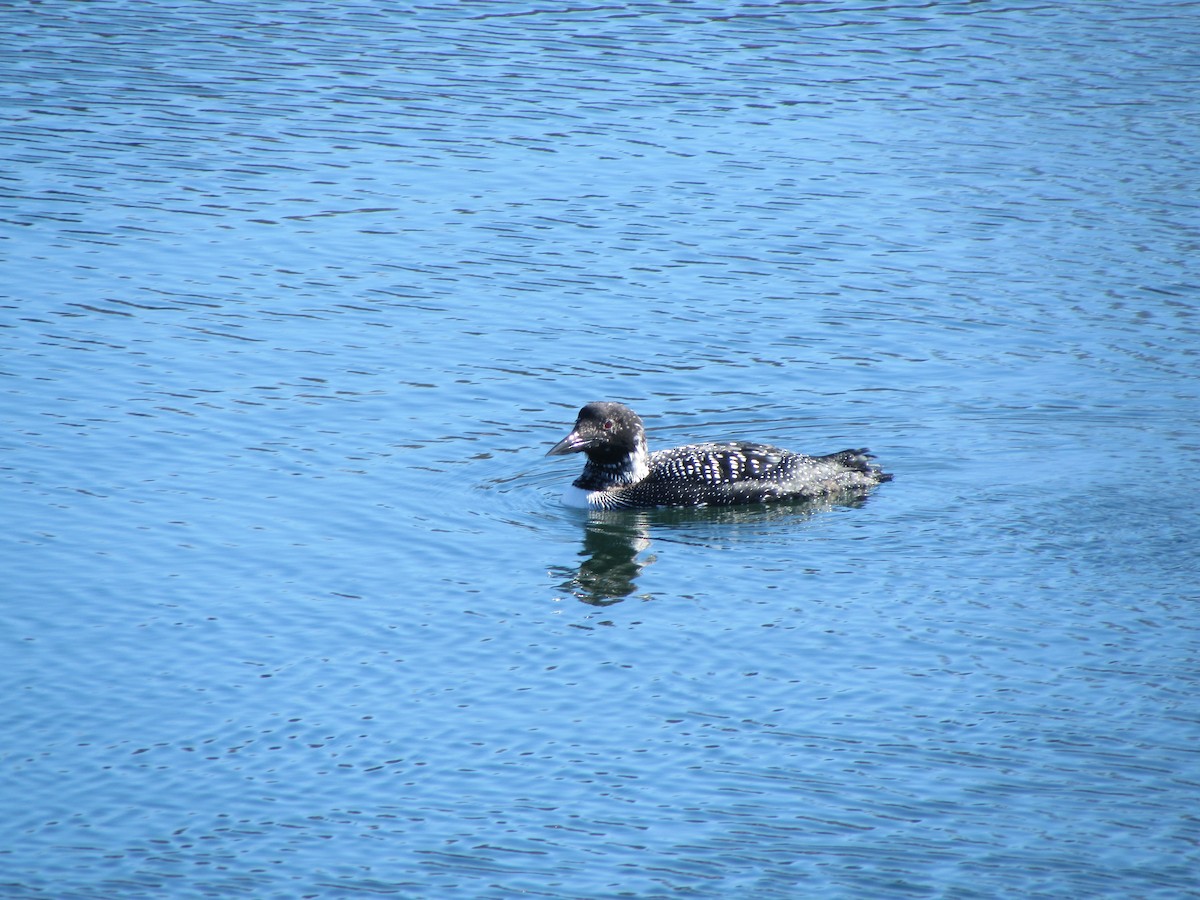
x=304, y=293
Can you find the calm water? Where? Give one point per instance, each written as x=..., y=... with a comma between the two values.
x=296, y=297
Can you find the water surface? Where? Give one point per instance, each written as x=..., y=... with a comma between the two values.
x=296, y=298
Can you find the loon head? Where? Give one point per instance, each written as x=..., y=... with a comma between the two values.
x=614, y=439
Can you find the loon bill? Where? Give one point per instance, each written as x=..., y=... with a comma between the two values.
x=620, y=473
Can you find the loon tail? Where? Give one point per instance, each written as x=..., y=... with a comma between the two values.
x=860, y=461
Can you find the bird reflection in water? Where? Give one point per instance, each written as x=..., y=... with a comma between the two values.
x=615, y=542
x=610, y=565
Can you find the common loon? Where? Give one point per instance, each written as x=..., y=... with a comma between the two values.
x=621, y=473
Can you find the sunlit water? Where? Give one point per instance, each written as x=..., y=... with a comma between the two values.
x=298, y=295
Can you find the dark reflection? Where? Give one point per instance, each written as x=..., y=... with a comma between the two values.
x=615, y=543
x=733, y=521
x=610, y=566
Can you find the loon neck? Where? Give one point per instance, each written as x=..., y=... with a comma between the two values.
x=615, y=472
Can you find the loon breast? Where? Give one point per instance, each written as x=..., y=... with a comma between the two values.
x=581, y=498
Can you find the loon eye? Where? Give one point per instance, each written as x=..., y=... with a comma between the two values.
x=608, y=423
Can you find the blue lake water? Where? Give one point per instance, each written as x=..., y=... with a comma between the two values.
x=296, y=296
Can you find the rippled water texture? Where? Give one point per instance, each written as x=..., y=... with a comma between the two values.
x=296, y=298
